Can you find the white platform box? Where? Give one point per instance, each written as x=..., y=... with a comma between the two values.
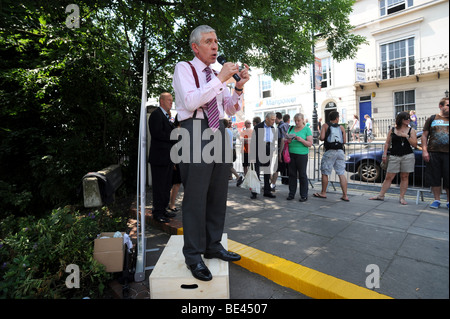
x=171, y=279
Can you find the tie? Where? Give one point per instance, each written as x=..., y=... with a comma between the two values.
x=213, y=111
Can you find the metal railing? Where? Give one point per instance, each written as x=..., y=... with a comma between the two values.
x=416, y=67
x=362, y=166
x=382, y=126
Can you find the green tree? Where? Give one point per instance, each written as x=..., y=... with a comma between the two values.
x=70, y=97
x=68, y=105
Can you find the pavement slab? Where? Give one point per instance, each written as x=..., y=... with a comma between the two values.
x=336, y=242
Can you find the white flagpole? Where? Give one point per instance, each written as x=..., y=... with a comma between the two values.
x=142, y=173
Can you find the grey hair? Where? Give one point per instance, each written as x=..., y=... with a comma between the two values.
x=196, y=34
x=270, y=114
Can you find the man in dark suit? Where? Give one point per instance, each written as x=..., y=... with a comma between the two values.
x=159, y=157
x=264, y=136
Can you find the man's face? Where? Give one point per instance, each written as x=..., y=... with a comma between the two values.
x=207, y=50
x=270, y=120
x=444, y=108
x=166, y=102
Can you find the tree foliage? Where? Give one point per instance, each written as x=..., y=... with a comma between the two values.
x=34, y=254
x=70, y=97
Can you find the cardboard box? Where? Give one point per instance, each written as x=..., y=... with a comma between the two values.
x=110, y=251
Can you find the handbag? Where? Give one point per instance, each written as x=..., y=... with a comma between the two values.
x=251, y=180
x=285, y=153
x=384, y=165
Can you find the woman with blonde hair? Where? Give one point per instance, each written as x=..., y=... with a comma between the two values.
x=401, y=158
x=299, y=138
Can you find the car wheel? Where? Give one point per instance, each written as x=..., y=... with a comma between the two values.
x=369, y=171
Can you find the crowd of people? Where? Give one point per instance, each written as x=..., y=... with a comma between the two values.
x=297, y=139
x=204, y=102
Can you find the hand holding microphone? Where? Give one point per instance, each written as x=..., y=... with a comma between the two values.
x=234, y=69
x=222, y=61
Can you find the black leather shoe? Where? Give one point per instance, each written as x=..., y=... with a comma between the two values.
x=169, y=214
x=253, y=196
x=161, y=219
x=224, y=255
x=200, y=271
x=303, y=199
x=269, y=195
x=290, y=197
x=240, y=181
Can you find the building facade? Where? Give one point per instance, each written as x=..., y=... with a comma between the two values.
x=403, y=66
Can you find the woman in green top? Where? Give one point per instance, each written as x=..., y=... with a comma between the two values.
x=300, y=140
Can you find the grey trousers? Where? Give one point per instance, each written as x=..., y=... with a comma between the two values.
x=205, y=193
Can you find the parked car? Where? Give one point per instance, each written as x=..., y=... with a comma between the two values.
x=366, y=162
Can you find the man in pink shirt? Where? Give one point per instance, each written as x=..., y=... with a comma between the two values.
x=202, y=101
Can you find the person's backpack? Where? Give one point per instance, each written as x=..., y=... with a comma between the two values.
x=334, y=139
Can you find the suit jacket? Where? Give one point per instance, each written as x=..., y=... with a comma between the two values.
x=160, y=128
x=258, y=140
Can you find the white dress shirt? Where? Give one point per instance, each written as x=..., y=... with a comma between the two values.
x=189, y=98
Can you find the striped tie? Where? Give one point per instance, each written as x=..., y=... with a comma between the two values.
x=213, y=111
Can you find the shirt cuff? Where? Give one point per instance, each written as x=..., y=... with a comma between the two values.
x=217, y=86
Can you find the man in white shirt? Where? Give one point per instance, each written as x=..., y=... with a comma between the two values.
x=202, y=100
x=368, y=127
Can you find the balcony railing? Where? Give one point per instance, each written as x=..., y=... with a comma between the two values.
x=420, y=66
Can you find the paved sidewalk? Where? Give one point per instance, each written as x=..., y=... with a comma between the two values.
x=334, y=242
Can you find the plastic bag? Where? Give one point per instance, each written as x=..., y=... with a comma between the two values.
x=251, y=181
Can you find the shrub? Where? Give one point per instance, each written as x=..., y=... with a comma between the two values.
x=34, y=253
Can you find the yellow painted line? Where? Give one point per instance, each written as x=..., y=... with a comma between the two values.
x=307, y=281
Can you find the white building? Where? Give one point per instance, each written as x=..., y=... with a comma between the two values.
x=404, y=66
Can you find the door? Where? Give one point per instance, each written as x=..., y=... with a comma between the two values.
x=329, y=107
x=364, y=108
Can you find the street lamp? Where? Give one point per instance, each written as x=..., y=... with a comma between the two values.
x=315, y=123
x=314, y=114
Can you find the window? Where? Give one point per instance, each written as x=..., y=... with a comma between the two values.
x=265, y=86
x=392, y=6
x=291, y=113
x=326, y=72
x=397, y=59
x=404, y=101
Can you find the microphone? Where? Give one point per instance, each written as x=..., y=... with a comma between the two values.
x=222, y=61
